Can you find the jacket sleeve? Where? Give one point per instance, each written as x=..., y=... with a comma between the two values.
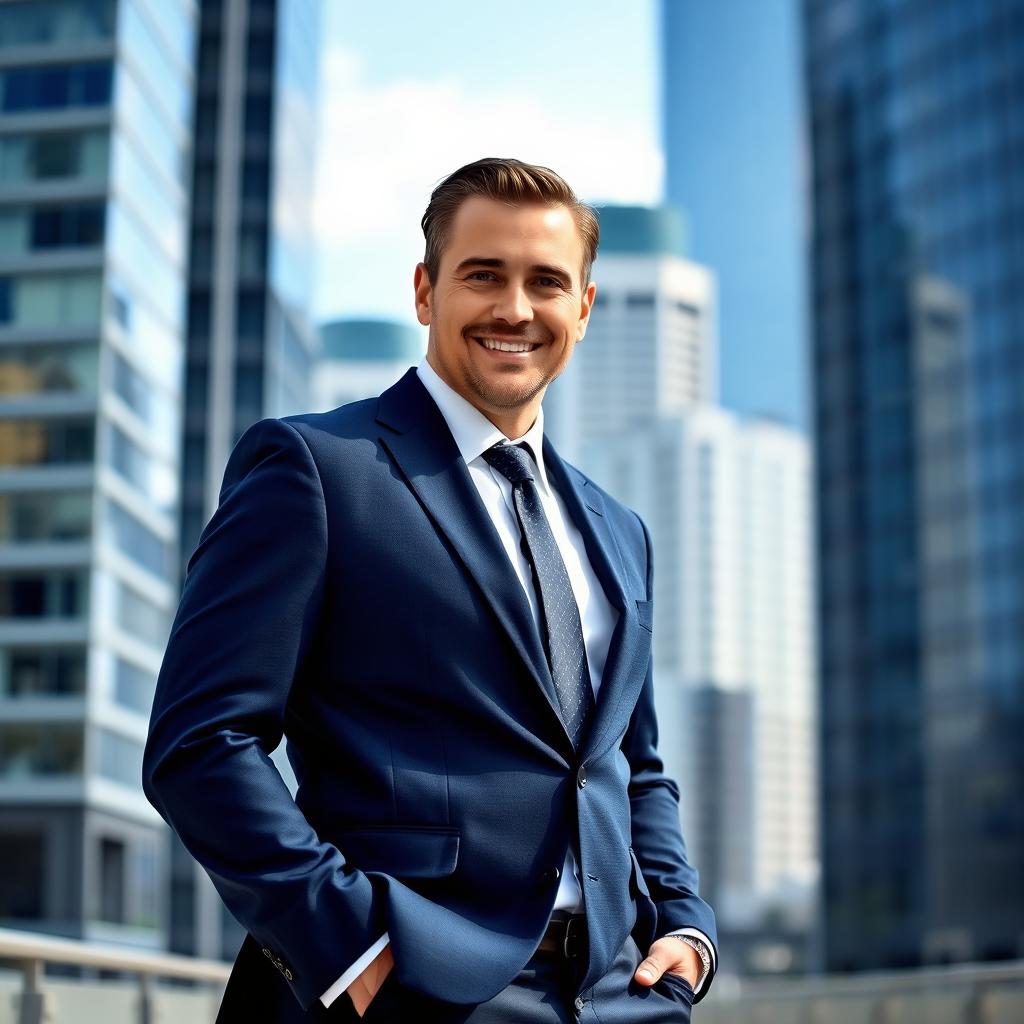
x=249, y=609
x=654, y=807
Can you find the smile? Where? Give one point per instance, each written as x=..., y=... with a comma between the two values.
x=494, y=345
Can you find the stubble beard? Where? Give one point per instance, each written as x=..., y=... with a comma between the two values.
x=511, y=395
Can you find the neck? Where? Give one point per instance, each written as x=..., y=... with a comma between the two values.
x=513, y=423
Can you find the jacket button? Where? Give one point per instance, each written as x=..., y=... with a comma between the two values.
x=581, y=777
x=288, y=974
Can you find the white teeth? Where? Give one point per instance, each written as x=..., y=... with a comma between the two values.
x=507, y=346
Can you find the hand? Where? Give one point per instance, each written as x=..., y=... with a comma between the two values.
x=367, y=985
x=671, y=956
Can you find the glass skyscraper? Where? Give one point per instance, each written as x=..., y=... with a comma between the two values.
x=917, y=130
x=250, y=343
x=95, y=124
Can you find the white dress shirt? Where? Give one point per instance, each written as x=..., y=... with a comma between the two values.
x=474, y=434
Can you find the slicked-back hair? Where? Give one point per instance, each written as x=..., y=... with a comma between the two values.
x=504, y=180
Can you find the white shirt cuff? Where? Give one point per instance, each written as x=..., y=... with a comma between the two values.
x=696, y=933
x=355, y=970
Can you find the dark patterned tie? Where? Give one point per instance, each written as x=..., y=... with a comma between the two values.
x=567, y=654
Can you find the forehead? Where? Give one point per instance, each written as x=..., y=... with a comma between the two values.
x=491, y=229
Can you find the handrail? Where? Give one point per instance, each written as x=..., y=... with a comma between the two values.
x=18, y=945
x=32, y=951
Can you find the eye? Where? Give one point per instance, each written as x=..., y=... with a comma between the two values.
x=481, y=275
x=549, y=282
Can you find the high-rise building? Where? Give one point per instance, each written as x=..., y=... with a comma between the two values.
x=651, y=345
x=728, y=505
x=362, y=358
x=917, y=129
x=250, y=342
x=731, y=130
x=95, y=121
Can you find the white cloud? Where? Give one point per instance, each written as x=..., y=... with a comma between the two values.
x=384, y=147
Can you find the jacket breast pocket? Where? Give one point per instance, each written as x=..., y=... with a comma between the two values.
x=403, y=851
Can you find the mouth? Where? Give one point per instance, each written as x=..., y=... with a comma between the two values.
x=506, y=347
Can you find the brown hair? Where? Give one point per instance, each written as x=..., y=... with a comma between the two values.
x=507, y=181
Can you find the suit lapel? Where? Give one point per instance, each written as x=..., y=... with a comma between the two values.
x=623, y=672
x=421, y=444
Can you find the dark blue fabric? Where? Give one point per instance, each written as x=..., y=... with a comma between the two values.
x=351, y=594
x=562, y=629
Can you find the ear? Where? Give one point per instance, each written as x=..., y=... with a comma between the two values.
x=424, y=292
x=586, y=305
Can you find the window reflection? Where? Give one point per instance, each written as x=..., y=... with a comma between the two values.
x=140, y=618
x=54, y=594
x=27, y=369
x=55, y=88
x=42, y=672
x=52, y=21
x=28, y=516
x=82, y=155
x=50, y=300
x=36, y=442
x=40, y=749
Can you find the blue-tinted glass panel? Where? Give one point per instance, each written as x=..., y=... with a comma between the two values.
x=42, y=672
x=54, y=155
x=40, y=22
x=55, y=88
x=33, y=516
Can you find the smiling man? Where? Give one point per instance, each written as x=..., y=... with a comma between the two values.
x=451, y=627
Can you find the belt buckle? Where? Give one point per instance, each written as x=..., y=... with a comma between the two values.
x=572, y=944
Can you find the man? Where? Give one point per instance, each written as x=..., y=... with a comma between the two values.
x=452, y=628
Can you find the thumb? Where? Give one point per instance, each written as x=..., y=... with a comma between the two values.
x=651, y=969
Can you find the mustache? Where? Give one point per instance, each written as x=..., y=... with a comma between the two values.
x=506, y=332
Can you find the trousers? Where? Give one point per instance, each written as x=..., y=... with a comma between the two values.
x=546, y=991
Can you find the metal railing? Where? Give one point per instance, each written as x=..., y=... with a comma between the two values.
x=31, y=953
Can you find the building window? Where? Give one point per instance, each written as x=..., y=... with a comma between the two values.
x=137, y=541
x=55, y=88
x=31, y=442
x=33, y=516
x=140, y=618
x=120, y=758
x=43, y=672
x=133, y=686
x=32, y=369
x=32, y=749
x=22, y=869
x=62, y=227
x=54, y=21
x=50, y=300
x=640, y=300
x=58, y=594
x=112, y=880
x=132, y=387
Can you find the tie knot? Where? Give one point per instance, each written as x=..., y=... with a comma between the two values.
x=512, y=461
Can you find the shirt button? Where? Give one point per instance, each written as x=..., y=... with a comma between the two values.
x=579, y=1004
x=581, y=777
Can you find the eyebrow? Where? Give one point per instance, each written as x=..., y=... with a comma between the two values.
x=498, y=264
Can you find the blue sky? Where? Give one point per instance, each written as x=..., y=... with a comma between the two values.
x=410, y=91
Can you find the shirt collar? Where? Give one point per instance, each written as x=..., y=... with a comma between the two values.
x=474, y=433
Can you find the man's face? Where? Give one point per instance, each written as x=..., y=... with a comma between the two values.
x=507, y=307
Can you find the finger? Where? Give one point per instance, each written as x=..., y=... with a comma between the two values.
x=650, y=970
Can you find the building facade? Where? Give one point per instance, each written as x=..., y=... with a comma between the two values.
x=95, y=120
x=734, y=160
x=917, y=129
x=651, y=345
x=250, y=342
x=727, y=501
x=362, y=358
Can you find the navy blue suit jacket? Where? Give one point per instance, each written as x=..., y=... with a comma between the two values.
x=352, y=595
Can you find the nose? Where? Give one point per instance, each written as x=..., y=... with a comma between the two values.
x=513, y=305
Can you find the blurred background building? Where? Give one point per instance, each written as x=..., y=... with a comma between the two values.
x=361, y=358
x=735, y=162
x=916, y=119
x=95, y=126
x=652, y=344
x=250, y=343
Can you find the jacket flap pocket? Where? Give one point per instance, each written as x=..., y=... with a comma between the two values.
x=402, y=851
x=645, y=613
x=638, y=876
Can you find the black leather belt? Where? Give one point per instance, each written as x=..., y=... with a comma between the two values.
x=565, y=936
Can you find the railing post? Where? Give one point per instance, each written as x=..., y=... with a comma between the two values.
x=148, y=1012
x=33, y=1005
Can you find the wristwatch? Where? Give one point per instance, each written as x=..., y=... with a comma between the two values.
x=702, y=951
